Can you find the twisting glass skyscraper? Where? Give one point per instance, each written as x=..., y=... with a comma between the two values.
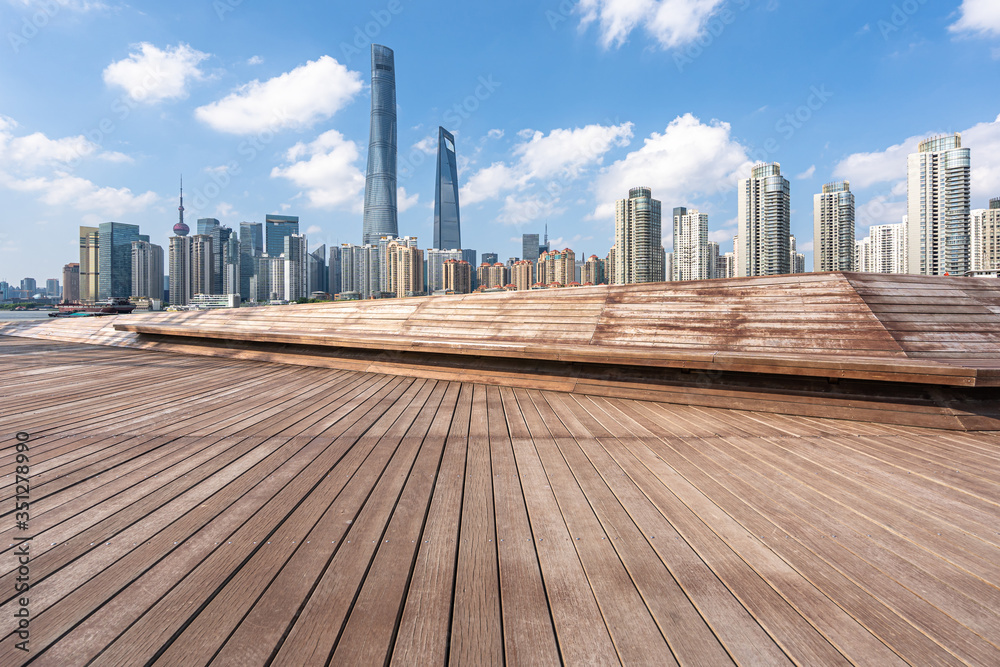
x=447, y=222
x=380, y=182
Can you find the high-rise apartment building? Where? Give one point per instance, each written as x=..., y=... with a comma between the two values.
x=435, y=267
x=726, y=266
x=986, y=237
x=833, y=228
x=180, y=270
x=522, y=275
x=938, y=235
x=147, y=270
x=457, y=276
x=380, y=178
x=447, y=221
x=691, y=259
x=278, y=228
x=232, y=263
x=796, y=260
x=359, y=270
x=593, y=271
x=885, y=251
x=638, y=250
x=296, y=267
x=213, y=228
x=556, y=267
x=492, y=276
x=71, y=283
x=202, y=264
x=406, y=269
x=115, y=259
x=764, y=222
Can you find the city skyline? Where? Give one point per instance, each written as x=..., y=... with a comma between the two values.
x=563, y=159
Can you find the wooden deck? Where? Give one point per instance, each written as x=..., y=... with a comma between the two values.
x=191, y=510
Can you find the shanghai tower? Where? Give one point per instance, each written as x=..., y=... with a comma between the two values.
x=447, y=224
x=380, y=180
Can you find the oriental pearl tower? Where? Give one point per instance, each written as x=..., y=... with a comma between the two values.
x=180, y=229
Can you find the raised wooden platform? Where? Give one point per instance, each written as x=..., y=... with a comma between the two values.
x=892, y=349
x=197, y=510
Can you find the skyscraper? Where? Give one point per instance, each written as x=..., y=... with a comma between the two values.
x=938, y=233
x=435, y=267
x=833, y=228
x=220, y=239
x=986, y=237
x=278, y=228
x=296, y=278
x=457, y=276
x=638, y=250
x=447, y=221
x=89, y=263
x=71, y=283
x=251, y=248
x=147, y=270
x=333, y=267
x=115, y=259
x=529, y=247
x=796, y=260
x=886, y=250
x=180, y=270
x=405, y=269
x=319, y=278
x=691, y=260
x=764, y=222
x=380, y=179
x=201, y=264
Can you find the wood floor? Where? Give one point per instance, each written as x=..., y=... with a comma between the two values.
x=192, y=510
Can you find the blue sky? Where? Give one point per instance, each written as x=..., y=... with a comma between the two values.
x=557, y=107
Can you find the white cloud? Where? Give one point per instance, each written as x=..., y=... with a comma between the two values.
x=880, y=210
x=298, y=99
x=526, y=133
x=688, y=159
x=866, y=169
x=223, y=210
x=428, y=145
x=495, y=134
x=807, y=174
x=404, y=202
x=36, y=164
x=255, y=60
x=566, y=153
x=488, y=183
x=808, y=246
x=672, y=23
x=981, y=16
x=562, y=154
x=314, y=229
x=984, y=140
x=151, y=75
x=64, y=189
x=326, y=170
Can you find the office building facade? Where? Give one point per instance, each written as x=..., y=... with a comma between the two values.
x=71, y=282
x=938, y=202
x=380, y=178
x=202, y=264
x=278, y=228
x=180, y=270
x=447, y=219
x=147, y=270
x=115, y=259
x=435, y=267
x=834, y=228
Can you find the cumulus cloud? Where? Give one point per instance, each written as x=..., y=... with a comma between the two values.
x=672, y=23
x=563, y=154
x=151, y=75
x=688, y=159
x=327, y=171
x=298, y=99
x=984, y=140
x=255, y=60
x=867, y=169
x=36, y=164
x=428, y=145
x=978, y=16
x=404, y=201
x=495, y=134
x=807, y=174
